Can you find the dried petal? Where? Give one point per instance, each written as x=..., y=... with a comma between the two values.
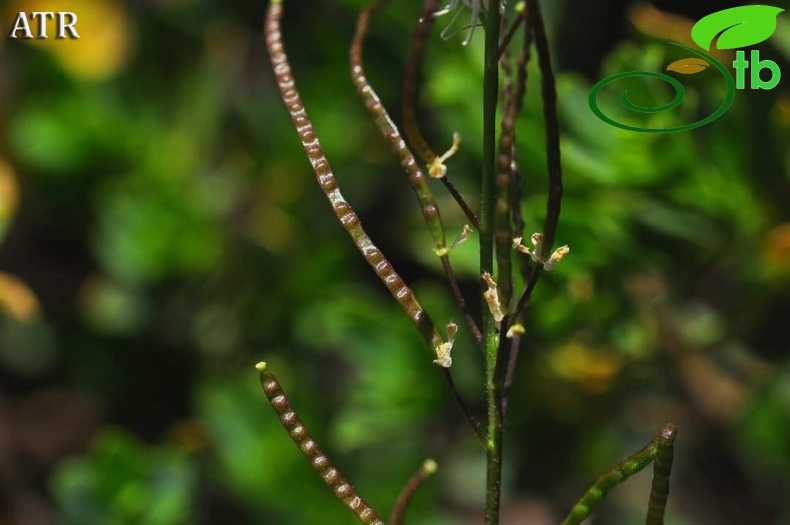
x=556, y=257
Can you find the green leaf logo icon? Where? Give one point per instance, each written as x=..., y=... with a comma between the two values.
x=739, y=27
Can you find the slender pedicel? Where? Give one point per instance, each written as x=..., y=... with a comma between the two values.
x=427, y=469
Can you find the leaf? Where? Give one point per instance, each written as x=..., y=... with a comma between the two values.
x=688, y=66
x=739, y=26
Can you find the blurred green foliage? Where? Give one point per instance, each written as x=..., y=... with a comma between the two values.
x=161, y=232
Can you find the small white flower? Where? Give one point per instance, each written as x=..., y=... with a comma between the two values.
x=436, y=168
x=443, y=350
x=492, y=298
x=516, y=329
x=535, y=253
x=556, y=257
x=462, y=237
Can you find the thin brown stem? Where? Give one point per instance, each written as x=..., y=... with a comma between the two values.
x=312, y=452
x=549, y=95
x=527, y=293
x=511, y=32
x=427, y=469
x=410, y=92
x=504, y=231
x=459, y=199
x=455, y=288
x=515, y=173
x=518, y=219
x=410, y=102
x=510, y=371
x=475, y=426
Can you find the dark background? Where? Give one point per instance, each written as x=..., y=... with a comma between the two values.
x=160, y=232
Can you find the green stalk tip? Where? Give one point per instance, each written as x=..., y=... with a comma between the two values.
x=429, y=467
x=261, y=366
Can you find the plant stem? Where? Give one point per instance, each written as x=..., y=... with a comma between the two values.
x=549, y=94
x=662, y=468
x=427, y=469
x=661, y=446
x=487, y=204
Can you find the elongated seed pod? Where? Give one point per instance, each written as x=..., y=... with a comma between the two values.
x=621, y=472
x=387, y=128
x=326, y=180
x=310, y=449
x=503, y=234
x=515, y=179
x=411, y=83
x=409, y=103
x=549, y=95
x=417, y=179
x=662, y=468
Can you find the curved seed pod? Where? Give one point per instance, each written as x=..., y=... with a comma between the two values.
x=549, y=95
x=387, y=128
x=417, y=179
x=662, y=468
x=310, y=450
x=411, y=82
x=326, y=180
x=409, y=96
x=503, y=234
x=515, y=179
x=661, y=444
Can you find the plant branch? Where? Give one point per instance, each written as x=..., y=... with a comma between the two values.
x=417, y=179
x=410, y=102
x=411, y=84
x=503, y=239
x=427, y=469
x=310, y=449
x=662, y=468
x=621, y=472
x=515, y=173
x=511, y=32
x=487, y=204
x=549, y=95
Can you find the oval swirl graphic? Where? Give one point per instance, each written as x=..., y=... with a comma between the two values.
x=680, y=94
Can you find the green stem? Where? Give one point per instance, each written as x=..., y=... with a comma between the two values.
x=487, y=205
x=659, y=447
x=662, y=468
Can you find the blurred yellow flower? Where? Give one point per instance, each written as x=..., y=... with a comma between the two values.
x=17, y=299
x=103, y=46
x=592, y=369
x=776, y=247
x=9, y=193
